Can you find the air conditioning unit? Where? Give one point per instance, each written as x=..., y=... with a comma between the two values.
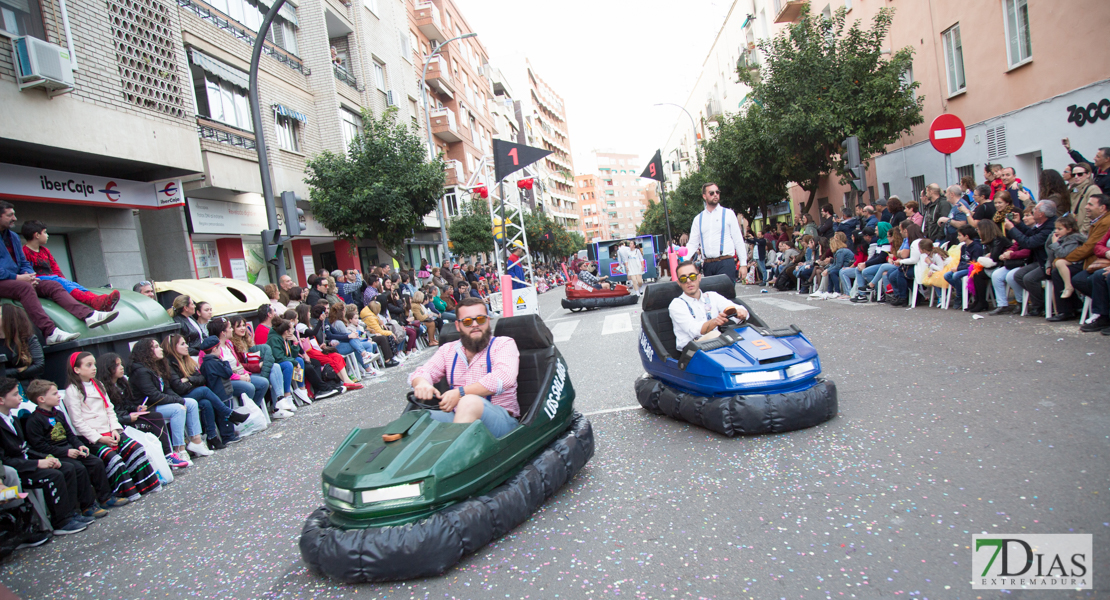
x=42, y=64
x=392, y=97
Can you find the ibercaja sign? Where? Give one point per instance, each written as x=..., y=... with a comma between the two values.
x=1031, y=562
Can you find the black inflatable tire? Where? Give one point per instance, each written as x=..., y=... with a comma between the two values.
x=608, y=302
x=431, y=546
x=741, y=415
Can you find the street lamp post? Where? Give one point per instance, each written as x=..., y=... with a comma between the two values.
x=431, y=145
x=692, y=124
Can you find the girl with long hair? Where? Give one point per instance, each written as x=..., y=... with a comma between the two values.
x=149, y=379
x=20, y=345
x=349, y=342
x=187, y=381
x=111, y=374
x=242, y=381
x=91, y=413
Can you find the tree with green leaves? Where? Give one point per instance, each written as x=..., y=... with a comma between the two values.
x=684, y=204
x=471, y=232
x=823, y=81
x=381, y=188
x=743, y=158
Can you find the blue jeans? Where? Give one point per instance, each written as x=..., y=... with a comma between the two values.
x=998, y=280
x=847, y=276
x=899, y=282
x=345, y=348
x=834, y=280
x=956, y=279
x=448, y=316
x=255, y=389
x=211, y=407
x=181, y=418
x=496, y=419
x=864, y=275
x=761, y=264
x=804, y=274
x=882, y=270
x=281, y=378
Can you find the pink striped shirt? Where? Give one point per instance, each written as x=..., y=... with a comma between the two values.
x=501, y=379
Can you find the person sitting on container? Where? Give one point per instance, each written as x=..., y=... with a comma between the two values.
x=18, y=282
x=697, y=315
x=481, y=371
x=46, y=268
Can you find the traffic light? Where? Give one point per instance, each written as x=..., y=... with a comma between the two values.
x=852, y=161
x=271, y=245
x=293, y=215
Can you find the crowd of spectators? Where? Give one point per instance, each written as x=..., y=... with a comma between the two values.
x=999, y=242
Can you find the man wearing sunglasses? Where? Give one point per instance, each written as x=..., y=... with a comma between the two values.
x=145, y=288
x=696, y=315
x=716, y=234
x=480, y=370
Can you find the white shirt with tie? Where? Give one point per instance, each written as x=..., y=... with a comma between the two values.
x=706, y=232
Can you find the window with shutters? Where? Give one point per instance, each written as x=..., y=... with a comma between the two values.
x=965, y=171
x=996, y=142
x=1019, y=46
x=954, y=60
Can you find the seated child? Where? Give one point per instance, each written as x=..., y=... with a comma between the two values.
x=42, y=261
x=95, y=420
x=1065, y=238
x=65, y=487
x=50, y=436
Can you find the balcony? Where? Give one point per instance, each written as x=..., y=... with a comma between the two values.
x=428, y=22
x=439, y=77
x=342, y=75
x=749, y=60
x=713, y=110
x=443, y=126
x=789, y=11
x=455, y=174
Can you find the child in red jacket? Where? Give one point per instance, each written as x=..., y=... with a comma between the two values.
x=42, y=261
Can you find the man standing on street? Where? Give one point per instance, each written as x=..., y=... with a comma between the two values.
x=515, y=270
x=716, y=233
x=933, y=209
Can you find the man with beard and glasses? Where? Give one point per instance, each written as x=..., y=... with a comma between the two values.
x=480, y=370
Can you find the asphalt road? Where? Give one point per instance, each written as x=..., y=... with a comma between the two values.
x=948, y=427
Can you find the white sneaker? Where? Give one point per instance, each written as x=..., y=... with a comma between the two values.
x=831, y=296
x=817, y=294
x=99, y=318
x=58, y=336
x=281, y=414
x=199, y=449
x=302, y=395
x=286, y=403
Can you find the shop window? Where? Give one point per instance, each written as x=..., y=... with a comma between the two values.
x=22, y=17
x=1019, y=46
x=954, y=60
x=288, y=132
x=207, y=259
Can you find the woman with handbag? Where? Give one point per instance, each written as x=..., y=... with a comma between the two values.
x=242, y=381
x=187, y=381
x=149, y=379
x=129, y=411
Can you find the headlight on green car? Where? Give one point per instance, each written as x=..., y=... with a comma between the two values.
x=340, y=494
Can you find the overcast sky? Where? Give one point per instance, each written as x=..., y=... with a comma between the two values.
x=610, y=60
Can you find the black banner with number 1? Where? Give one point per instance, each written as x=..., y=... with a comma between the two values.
x=509, y=157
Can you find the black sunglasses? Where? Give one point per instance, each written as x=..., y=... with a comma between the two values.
x=714, y=193
x=1074, y=173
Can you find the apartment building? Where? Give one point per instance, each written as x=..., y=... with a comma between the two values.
x=612, y=200
x=156, y=122
x=459, y=93
x=549, y=127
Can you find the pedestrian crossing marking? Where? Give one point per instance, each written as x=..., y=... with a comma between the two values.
x=563, y=331
x=780, y=303
x=617, y=323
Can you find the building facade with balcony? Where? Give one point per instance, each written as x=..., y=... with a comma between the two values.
x=613, y=199
x=549, y=131
x=460, y=96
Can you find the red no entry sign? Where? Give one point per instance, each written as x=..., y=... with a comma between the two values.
x=947, y=133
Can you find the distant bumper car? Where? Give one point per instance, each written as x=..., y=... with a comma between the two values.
x=749, y=380
x=581, y=296
x=415, y=505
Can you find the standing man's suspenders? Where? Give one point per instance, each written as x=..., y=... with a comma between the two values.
x=489, y=365
x=702, y=234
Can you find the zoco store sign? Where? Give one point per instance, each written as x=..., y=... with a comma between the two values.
x=44, y=185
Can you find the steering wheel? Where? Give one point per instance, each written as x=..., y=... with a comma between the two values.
x=733, y=322
x=417, y=404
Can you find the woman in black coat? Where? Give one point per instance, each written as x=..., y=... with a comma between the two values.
x=994, y=244
x=149, y=380
x=184, y=310
x=187, y=381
